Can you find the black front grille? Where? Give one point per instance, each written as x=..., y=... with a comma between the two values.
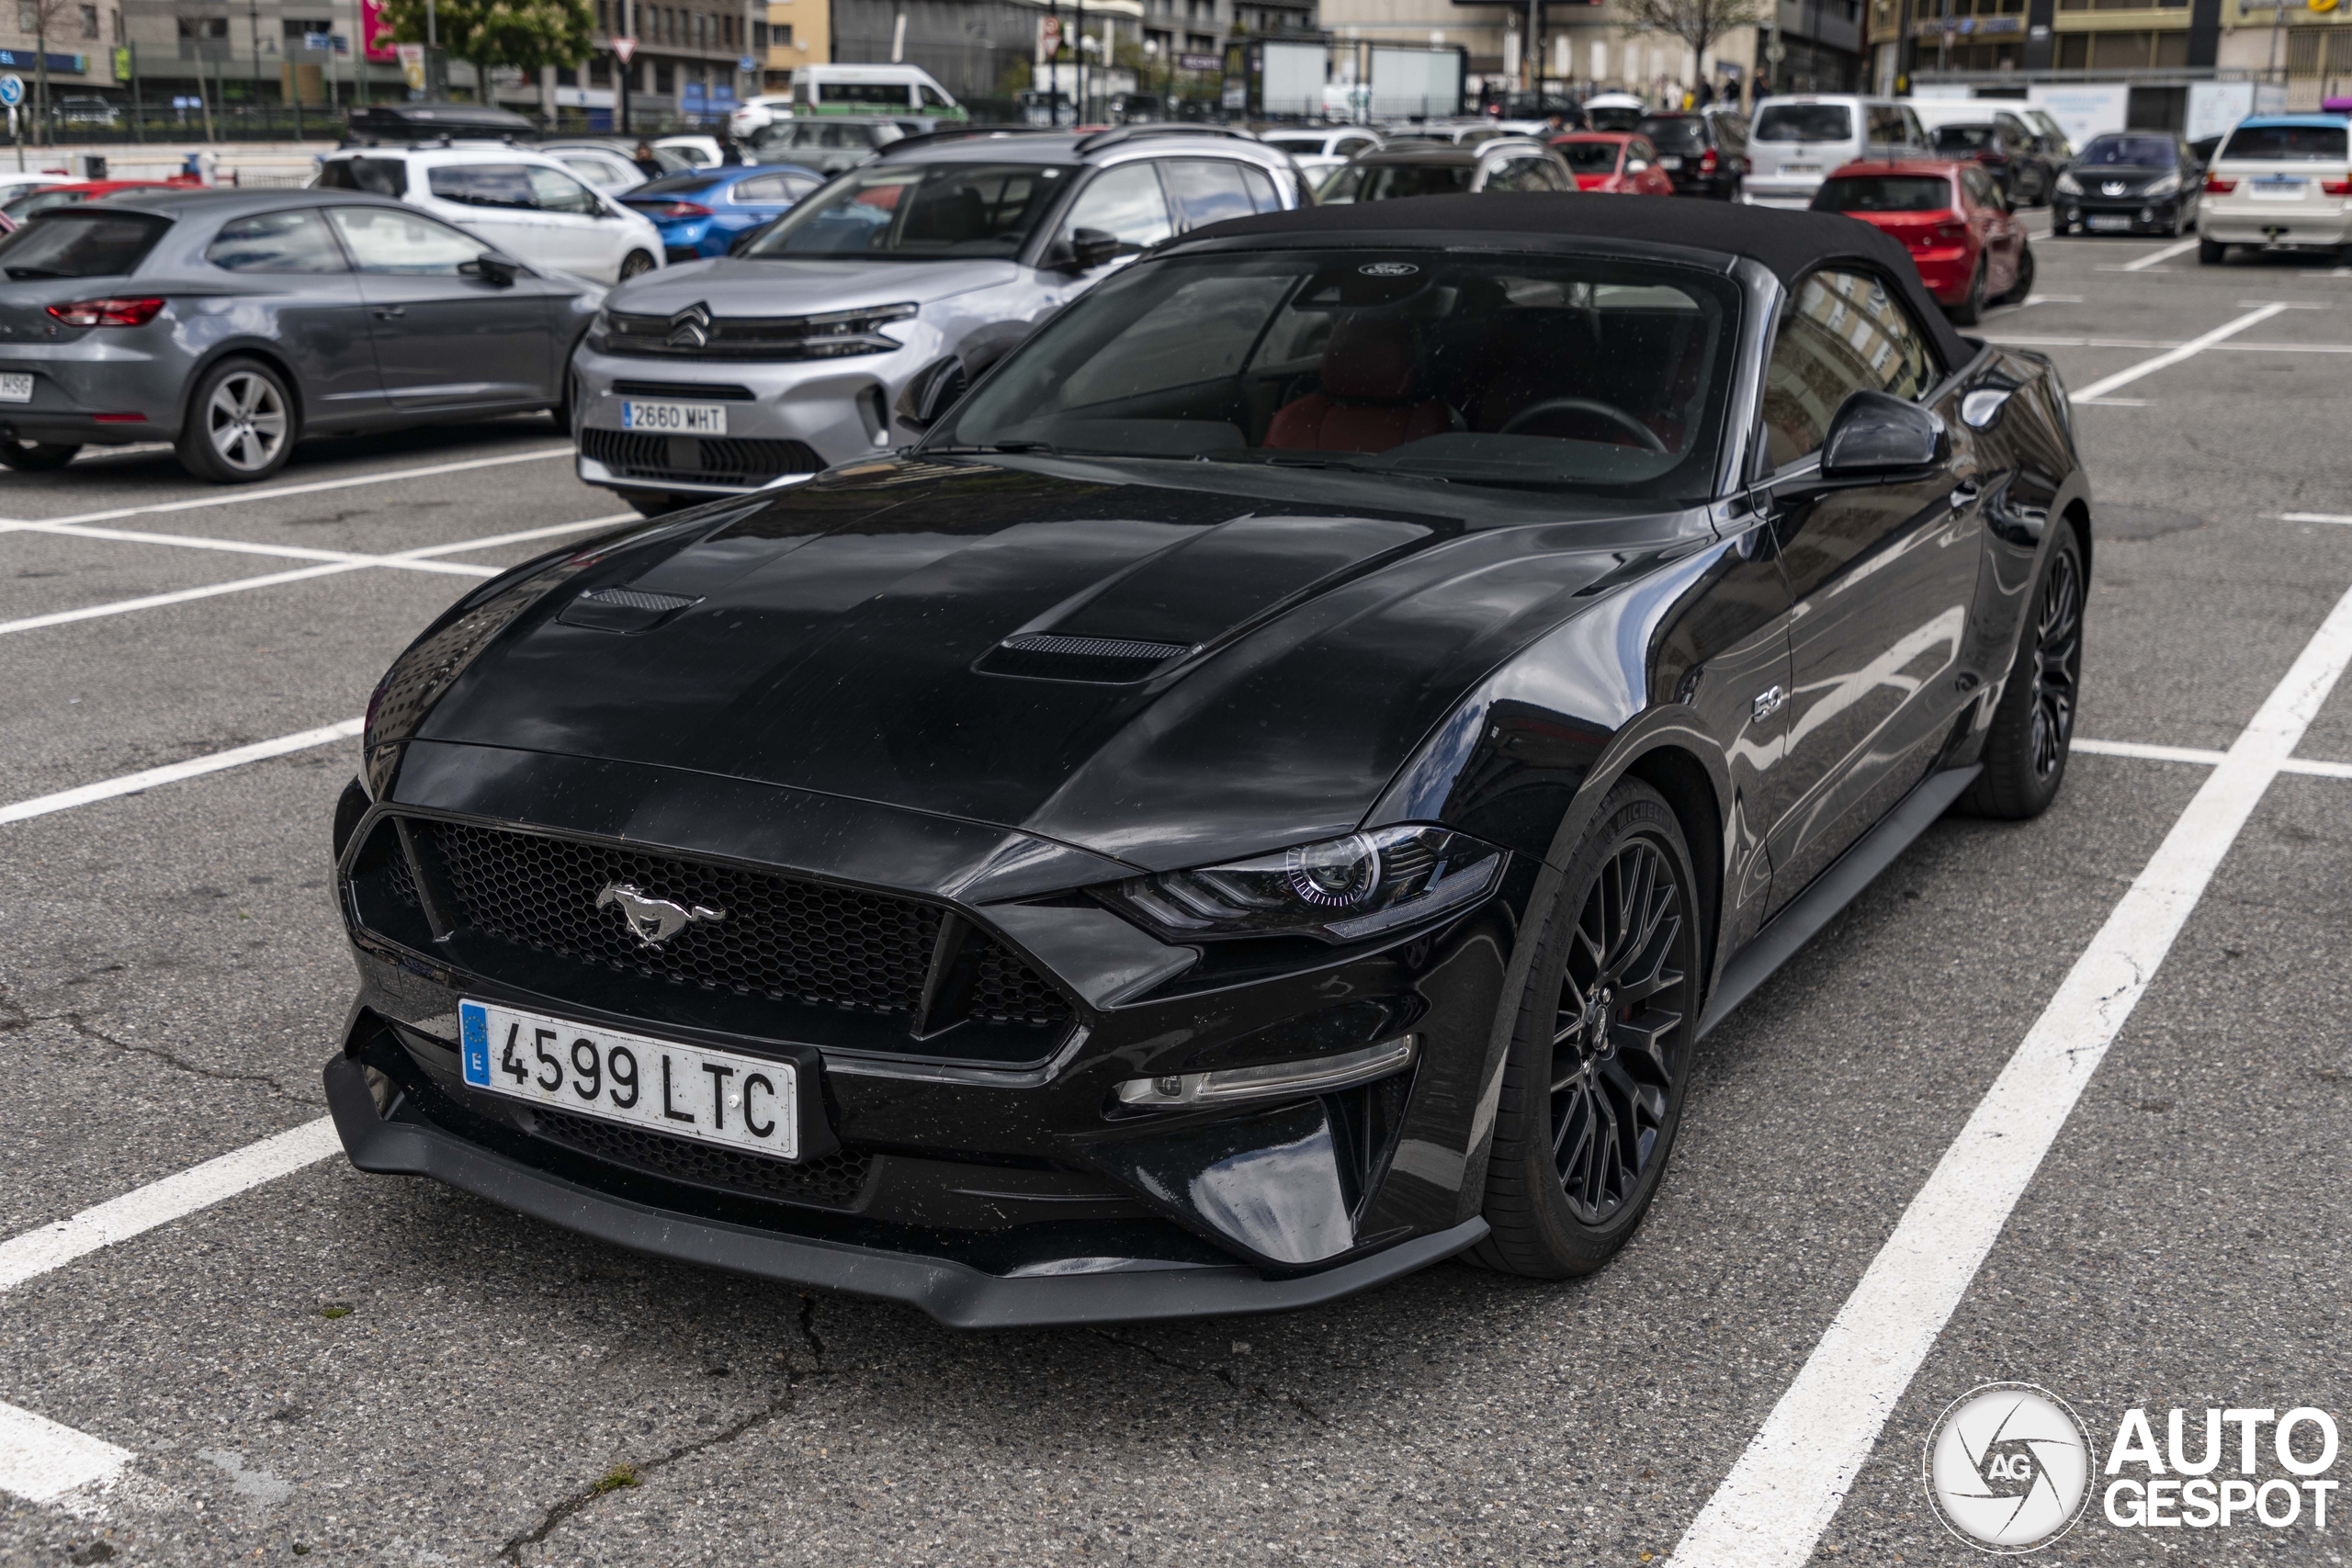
x=689, y=391
x=779, y=937
x=831, y=1182
x=696, y=459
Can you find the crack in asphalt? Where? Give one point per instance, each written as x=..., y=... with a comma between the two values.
x=809, y=1328
x=1222, y=1374
x=89, y=1031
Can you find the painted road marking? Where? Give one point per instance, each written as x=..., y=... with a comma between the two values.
x=2314, y=518
x=240, y=497
x=195, y=767
x=2023, y=341
x=2154, y=257
x=1770, y=1510
x=2193, y=347
x=2310, y=767
x=44, y=1462
x=411, y=560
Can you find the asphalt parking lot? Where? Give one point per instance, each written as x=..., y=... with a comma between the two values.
x=281, y=1357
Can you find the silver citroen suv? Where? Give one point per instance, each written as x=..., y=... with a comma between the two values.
x=851, y=323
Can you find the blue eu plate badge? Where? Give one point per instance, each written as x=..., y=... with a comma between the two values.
x=473, y=1031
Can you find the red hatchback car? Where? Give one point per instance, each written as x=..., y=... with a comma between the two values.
x=1969, y=248
x=1614, y=163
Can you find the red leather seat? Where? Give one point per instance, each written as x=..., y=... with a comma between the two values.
x=1371, y=368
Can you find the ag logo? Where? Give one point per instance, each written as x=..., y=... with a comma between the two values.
x=1389, y=269
x=2008, y=1467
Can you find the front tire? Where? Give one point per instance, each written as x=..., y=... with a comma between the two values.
x=1599, y=1058
x=1970, y=310
x=637, y=263
x=2023, y=286
x=240, y=424
x=2034, y=729
x=36, y=456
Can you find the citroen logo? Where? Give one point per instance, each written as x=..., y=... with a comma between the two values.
x=690, y=328
x=2112, y=187
x=653, y=921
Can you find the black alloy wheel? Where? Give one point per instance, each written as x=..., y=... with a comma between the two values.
x=37, y=456
x=2034, y=729
x=1593, y=1085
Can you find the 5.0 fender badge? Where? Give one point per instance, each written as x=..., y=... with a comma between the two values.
x=653, y=921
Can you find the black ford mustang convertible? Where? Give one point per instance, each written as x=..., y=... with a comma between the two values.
x=1265, y=794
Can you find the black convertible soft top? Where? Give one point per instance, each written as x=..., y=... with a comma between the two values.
x=1789, y=245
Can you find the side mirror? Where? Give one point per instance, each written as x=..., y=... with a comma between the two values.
x=1091, y=248
x=1876, y=433
x=932, y=392
x=491, y=268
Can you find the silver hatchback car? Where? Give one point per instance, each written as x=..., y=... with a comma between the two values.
x=850, y=323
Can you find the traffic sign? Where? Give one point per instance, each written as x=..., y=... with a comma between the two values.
x=623, y=48
x=747, y=64
x=12, y=90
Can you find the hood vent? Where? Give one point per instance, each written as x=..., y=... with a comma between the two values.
x=1101, y=660
x=623, y=609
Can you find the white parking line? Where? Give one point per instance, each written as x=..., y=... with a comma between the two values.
x=2310, y=766
x=2193, y=347
x=132, y=784
x=2314, y=518
x=1770, y=1510
x=338, y=561
x=44, y=1462
x=2021, y=342
x=2154, y=257
x=231, y=497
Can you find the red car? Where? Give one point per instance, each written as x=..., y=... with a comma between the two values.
x=1613, y=163
x=41, y=199
x=1969, y=251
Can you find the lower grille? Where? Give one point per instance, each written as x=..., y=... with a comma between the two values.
x=831, y=1182
x=696, y=459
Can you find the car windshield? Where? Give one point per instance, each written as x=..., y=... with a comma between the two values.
x=84, y=243
x=918, y=212
x=2299, y=143
x=1573, y=373
x=2128, y=153
x=1589, y=157
x=1675, y=132
x=1964, y=138
x=1803, y=122
x=1387, y=182
x=1885, y=193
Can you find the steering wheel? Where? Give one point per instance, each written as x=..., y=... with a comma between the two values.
x=1610, y=411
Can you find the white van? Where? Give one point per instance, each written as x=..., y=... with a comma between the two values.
x=871, y=89
x=1795, y=141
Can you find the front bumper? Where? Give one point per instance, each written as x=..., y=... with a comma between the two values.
x=2068, y=213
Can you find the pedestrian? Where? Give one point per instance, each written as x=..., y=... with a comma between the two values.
x=1705, y=94
x=647, y=163
x=1555, y=124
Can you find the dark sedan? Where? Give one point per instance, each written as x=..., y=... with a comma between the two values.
x=233, y=323
x=2131, y=182
x=1264, y=797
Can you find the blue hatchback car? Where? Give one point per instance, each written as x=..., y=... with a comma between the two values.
x=701, y=213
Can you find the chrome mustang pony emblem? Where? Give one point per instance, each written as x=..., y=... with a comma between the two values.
x=653, y=921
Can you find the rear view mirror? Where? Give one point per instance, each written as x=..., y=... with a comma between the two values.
x=932, y=392
x=1091, y=248
x=1877, y=434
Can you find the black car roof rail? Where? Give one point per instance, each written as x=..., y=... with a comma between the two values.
x=1118, y=133
x=963, y=133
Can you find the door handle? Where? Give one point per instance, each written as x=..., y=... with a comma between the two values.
x=390, y=313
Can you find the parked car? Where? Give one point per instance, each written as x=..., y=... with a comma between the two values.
x=2130, y=182
x=2055, y=145
x=1322, y=149
x=1796, y=141
x=699, y=151
x=1613, y=163
x=83, y=111
x=702, y=215
x=48, y=197
x=15, y=183
x=1203, y=832
x=1704, y=152
x=850, y=321
x=1454, y=132
x=1961, y=233
x=831, y=143
x=1408, y=169
x=1614, y=111
x=2008, y=150
x=2279, y=181
x=872, y=90
x=234, y=324
x=607, y=169
x=525, y=203
x=757, y=114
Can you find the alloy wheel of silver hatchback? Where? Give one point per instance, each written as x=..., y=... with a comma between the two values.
x=246, y=421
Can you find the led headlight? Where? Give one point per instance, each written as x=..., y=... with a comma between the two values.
x=1342, y=890
x=2168, y=185
x=838, y=333
x=600, y=328
x=2069, y=186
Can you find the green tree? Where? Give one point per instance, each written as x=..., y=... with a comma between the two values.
x=522, y=35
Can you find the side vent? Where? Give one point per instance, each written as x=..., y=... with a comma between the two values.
x=623, y=609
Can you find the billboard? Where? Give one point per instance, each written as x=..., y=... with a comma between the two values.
x=376, y=33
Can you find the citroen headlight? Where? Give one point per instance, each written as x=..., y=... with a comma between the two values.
x=1342, y=890
x=2168, y=185
x=838, y=334
x=2069, y=186
x=600, y=327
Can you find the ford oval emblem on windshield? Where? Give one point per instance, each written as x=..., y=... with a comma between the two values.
x=1389, y=269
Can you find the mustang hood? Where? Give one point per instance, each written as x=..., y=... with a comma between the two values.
x=1159, y=674
x=732, y=286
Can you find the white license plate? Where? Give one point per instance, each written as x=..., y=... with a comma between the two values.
x=1665, y=162
x=2103, y=222
x=686, y=1092
x=1800, y=168
x=675, y=419
x=2277, y=184
x=16, y=388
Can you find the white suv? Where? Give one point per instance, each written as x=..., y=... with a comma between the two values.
x=2280, y=180
x=527, y=204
